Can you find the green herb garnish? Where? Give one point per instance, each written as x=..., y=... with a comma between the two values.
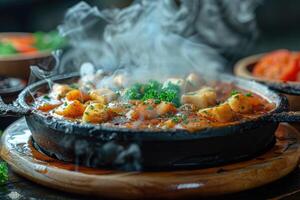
x=46, y=97
x=248, y=94
x=3, y=173
x=74, y=85
x=154, y=90
x=48, y=41
x=149, y=107
x=175, y=119
x=157, y=101
x=234, y=92
x=180, y=118
x=135, y=92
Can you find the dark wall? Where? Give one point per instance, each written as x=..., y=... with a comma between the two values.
x=279, y=24
x=44, y=15
x=273, y=16
x=279, y=16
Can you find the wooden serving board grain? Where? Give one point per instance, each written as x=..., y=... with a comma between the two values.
x=17, y=150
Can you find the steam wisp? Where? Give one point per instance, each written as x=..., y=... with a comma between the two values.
x=156, y=39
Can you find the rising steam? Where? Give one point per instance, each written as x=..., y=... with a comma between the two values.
x=155, y=39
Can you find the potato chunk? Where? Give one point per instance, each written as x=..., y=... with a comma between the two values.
x=165, y=108
x=103, y=95
x=169, y=123
x=59, y=91
x=97, y=113
x=220, y=113
x=77, y=95
x=142, y=112
x=240, y=103
x=193, y=82
x=202, y=98
x=71, y=109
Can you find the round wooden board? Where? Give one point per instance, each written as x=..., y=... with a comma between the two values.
x=17, y=150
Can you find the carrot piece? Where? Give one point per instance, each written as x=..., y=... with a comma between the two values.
x=47, y=107
x=71, y=109
x=77, y=95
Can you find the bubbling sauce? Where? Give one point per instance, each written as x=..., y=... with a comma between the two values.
x=190, y=104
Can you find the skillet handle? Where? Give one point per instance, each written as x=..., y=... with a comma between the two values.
x=12, y=110
x=289, y=116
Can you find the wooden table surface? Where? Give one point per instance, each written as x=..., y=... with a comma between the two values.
x=20, y=188
x=287, y=188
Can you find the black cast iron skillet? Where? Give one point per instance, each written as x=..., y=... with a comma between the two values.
x=127, y=149
x=9, y=90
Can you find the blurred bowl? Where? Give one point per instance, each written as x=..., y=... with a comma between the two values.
x=244, y=67
x=9, y=91
x=18, y=65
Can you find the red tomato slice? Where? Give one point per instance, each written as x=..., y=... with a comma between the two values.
x=25, y=49
x=290, y=71
x=279, y=65
x=17, y=40
x=23, y=44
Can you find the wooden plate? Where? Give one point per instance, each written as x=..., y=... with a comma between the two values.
x=18, y=151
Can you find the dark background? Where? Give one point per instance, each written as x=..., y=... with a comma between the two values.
x=42, y=15
x=278, y=20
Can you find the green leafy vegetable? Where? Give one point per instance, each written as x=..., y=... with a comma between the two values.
x=48, y=41
x=38, y=41
x=7, y=49
x=154, y=90
x=3, y=173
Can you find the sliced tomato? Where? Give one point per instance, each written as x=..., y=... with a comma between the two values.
x=25, y=48
x=290, y=71
x=297, y=63
x=279, y=65
x=23, y=44
x=24, y=39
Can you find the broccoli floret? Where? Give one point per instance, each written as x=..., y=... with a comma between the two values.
x=134, y=92
x=152, y=85
x=171, y=93
x=154, y=90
